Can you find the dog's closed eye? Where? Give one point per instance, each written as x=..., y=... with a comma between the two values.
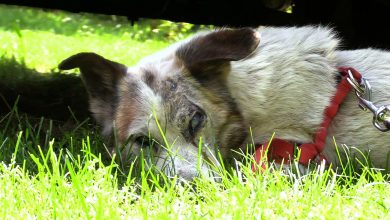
x=145, y=142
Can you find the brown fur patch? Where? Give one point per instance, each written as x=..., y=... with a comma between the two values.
x=126, y=109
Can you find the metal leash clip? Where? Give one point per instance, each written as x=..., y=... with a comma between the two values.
x=381, y=119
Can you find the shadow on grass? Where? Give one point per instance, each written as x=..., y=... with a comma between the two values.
x=40, y=113
x=47, y=112
x=53, y=95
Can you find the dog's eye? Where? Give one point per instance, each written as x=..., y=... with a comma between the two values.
x=173, y=86
x=144, y=142
x=197, y=122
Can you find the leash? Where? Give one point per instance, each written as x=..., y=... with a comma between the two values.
x=282, y=151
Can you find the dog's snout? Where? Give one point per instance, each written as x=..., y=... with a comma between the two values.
x=186, y=174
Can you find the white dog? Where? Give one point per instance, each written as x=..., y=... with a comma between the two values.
x=220, y=85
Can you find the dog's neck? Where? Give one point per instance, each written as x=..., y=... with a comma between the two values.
x=286, y=85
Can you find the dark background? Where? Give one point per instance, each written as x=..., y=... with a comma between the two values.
x=360, y=23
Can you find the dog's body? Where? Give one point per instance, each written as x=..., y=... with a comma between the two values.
x=221, y=84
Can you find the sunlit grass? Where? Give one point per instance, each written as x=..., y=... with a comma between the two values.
x=42, y=39
x=49, y=174
x=81, y=185
x=44, y=50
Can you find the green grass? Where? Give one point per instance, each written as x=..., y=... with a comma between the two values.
x=44, y=50
x=82, y=185
x=43, y=39
x=51, y=169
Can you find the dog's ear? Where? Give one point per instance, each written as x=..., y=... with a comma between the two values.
x=215, y=49
x=100, y=77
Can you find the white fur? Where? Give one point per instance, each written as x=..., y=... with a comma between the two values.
x=286, y=85
x=282, y=88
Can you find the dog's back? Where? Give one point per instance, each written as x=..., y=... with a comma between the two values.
x=287, y=83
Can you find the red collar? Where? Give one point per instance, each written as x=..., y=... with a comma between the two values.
x=282, y=151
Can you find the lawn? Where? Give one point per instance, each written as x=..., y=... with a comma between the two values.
x=60, y=169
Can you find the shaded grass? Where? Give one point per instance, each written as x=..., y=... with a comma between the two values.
x=53, y=95
x=22, y=136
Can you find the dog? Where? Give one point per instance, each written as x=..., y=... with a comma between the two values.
x=221, y=91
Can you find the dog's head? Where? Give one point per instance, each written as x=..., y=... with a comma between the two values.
x=173, y=105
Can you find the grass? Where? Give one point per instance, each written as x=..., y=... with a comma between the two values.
x=52, y=169
x=31, y=46
x=44, y=50
x=43, y=39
